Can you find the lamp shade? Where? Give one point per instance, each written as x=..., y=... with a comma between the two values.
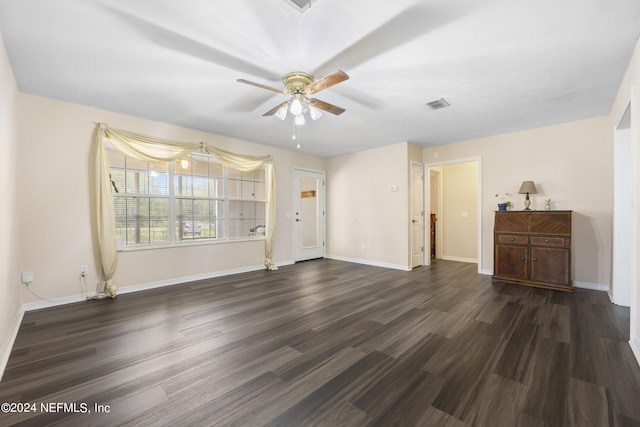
x=528, y=187
x=282, y=111
x=314, y=112
x=296, y=106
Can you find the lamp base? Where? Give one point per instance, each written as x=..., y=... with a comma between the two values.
x=527, y=203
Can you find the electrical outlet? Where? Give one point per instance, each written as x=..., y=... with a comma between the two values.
x=83, y=270
x=27, y=277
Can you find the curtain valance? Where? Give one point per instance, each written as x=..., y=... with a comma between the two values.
x=147, y=148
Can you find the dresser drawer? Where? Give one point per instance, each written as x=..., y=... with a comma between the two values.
x=549, y=241
x=513, y=238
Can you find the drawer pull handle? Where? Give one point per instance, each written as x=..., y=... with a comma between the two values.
x=513, y=238
x=535, y=260
x=522, y=258
x=546, y=240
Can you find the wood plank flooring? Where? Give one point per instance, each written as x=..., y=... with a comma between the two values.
x=329, y=343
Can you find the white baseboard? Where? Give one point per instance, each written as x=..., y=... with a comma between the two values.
x=634, y=342
x=369, y=262
x=591, y=286
x=576, y=284
x=460, y=259
x=610, y=293
x=7, y=346
x=193, y=278
x=36, y=305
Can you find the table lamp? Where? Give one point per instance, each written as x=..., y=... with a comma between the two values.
x=527, y=187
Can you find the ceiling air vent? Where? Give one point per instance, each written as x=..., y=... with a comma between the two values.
x=301, y=5
x=438, y=104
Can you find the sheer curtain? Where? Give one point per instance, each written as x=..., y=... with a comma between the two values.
x=152, y=149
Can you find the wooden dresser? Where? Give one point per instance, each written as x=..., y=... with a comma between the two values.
x=533, y=248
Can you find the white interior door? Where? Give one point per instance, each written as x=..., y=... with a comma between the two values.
x=623, y=258
x=308, y=214
x=417, y=215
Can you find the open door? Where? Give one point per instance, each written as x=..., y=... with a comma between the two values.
x=417, y=215
x=623, y=211
x=308, y=214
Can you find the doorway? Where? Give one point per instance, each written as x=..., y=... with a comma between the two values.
x=623, y=211
x=435, y=190
x=309, y=223
x=455, y=198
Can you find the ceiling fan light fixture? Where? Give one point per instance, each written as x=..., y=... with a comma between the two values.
x=282, y=112
x=296, y=106
x=314, y=112
x=300, y=86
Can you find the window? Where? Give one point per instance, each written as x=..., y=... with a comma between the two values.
x=198, y=185
x=188, y=200
x=247, y=196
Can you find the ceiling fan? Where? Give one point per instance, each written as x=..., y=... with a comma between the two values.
x=301, y=86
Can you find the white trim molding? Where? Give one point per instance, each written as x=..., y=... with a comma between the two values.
x=369, y=262
x=591, y=286
x=7, y=346
x=635, y=348
x=459, y=259
x=193, y=278
x=146, y=286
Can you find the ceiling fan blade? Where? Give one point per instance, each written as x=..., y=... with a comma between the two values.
x=274, y=109
x=333, y=109
x=262, y=86
x=328, y=81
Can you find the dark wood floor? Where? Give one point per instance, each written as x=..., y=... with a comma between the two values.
x=330, y=343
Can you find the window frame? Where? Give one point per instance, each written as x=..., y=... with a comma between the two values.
x=173, y=239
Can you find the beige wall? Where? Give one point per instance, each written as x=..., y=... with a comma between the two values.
x=460, y=211
x=9, y=275
x=366, y=221
x=571, y=163
x=629, y=92
x=54, y=182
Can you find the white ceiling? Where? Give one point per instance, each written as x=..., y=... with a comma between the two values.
x=503, y=65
